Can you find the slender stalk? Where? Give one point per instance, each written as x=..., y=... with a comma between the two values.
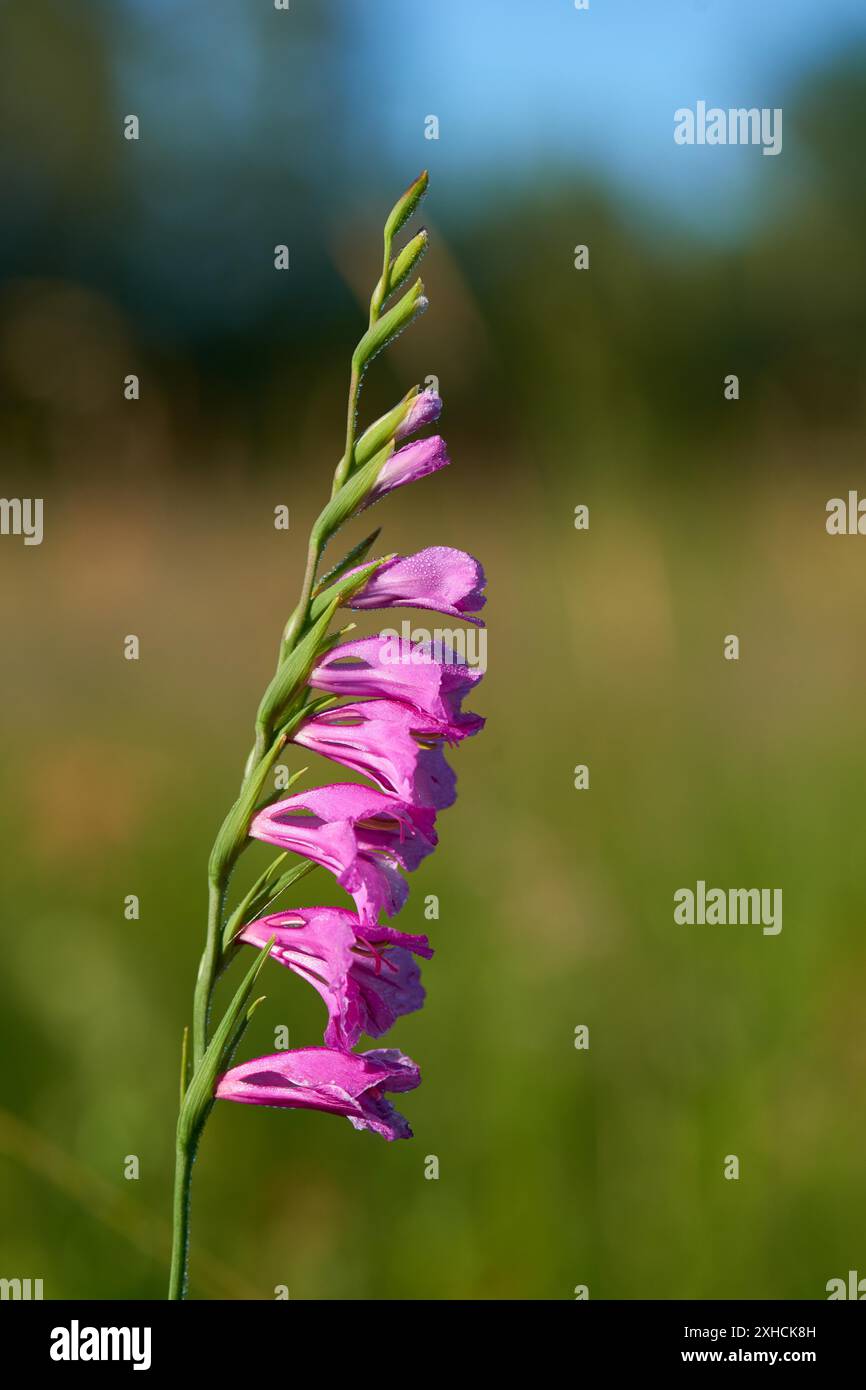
x=184, y=1064
x=317, y=542
x=299, y=617
x=184, y=1159
x=378, y=298
x=345, y=463
x=207, y=970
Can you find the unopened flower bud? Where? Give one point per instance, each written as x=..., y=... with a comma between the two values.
x=423, y=410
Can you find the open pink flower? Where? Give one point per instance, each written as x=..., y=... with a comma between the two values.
x=446, y=580
x=319, y=1078
x=407, y=465
x=361, y=835
x=395, y=745
x=402, y=670
x=366, y=979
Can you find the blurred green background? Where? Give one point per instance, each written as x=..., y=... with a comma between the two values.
x=558, y=1167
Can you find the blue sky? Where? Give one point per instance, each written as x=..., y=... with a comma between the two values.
x=523, y=84
x=522, y=88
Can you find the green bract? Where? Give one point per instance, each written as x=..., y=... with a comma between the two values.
x=353, y=492
x=199, y=1095
x=404, y=263
x=389, y=326
x=352, y=557
x=338, y=593
x=232, y=836
x=405, y=206
x=382, y=431
x=291, y=675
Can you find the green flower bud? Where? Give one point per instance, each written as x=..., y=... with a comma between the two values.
x=405, y=206
x=377, y=435
x=387, y=328
x=404, y=263
x=353, y=493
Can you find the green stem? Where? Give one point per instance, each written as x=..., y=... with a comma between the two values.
x=378, y=298
x=207, y=970
x=299, y=617
x=345, y=463
x=317, y=541
x=184, y=1159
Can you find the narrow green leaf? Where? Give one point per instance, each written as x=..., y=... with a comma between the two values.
x=231, y=1046
x=246, y=909
x=255, y=904
x=291, y=876
x=270, y=874
x=352, y=557
x=184, y=1063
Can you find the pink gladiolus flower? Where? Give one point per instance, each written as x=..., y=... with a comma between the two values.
x=424, y=410
x=391, y=705
x=407, y=465
x=446, y=580
x=359, y=834
x=366, y=979
x=318, y=1078
x=395, y=668
x=393, y=744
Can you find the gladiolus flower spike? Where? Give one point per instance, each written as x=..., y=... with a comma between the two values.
x=384, y=707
